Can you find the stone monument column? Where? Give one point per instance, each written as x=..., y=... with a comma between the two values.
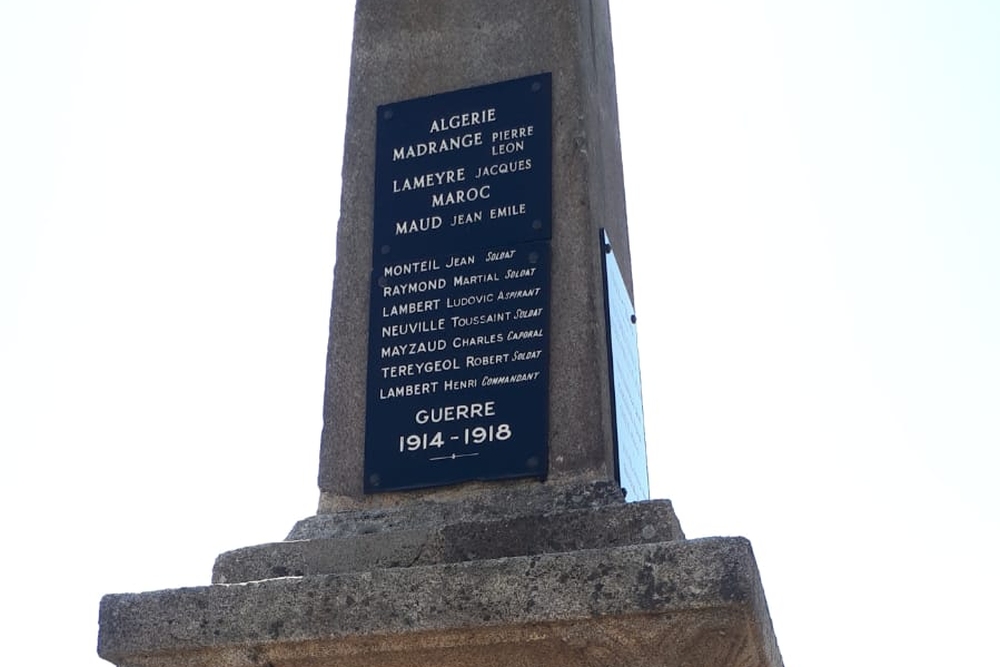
x=483, y=417
x=407, y=50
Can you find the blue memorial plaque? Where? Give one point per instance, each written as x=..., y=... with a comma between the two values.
x=458, y=368
x=626, y=386
x=458, y=337
x=465, y=169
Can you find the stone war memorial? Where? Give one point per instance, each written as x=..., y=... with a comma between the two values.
x=483, y=487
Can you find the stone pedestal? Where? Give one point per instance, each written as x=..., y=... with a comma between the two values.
x=560, y=572
x=561, y=576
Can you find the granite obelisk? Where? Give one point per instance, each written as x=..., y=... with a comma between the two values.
x=480, y=417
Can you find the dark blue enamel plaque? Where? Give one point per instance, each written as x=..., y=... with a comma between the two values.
x=466, y=169
x=459, y=325
x=458, y=368
x=626, y=385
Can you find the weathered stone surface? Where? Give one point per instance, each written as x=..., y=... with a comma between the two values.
x=694, y=603
x=468, y=502
x=413, y=48
x=457, y=541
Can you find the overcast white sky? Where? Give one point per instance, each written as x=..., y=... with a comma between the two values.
x=814, y=202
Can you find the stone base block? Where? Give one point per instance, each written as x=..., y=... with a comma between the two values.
x=696, y=603
x=454, y=541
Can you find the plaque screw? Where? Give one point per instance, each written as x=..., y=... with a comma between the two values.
x=536, y=86
x=533, y=257
x=532, y=462
x=387, y=114
x=381, y=281
x=385, y=250
x=375, y=479
x=536, y=224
